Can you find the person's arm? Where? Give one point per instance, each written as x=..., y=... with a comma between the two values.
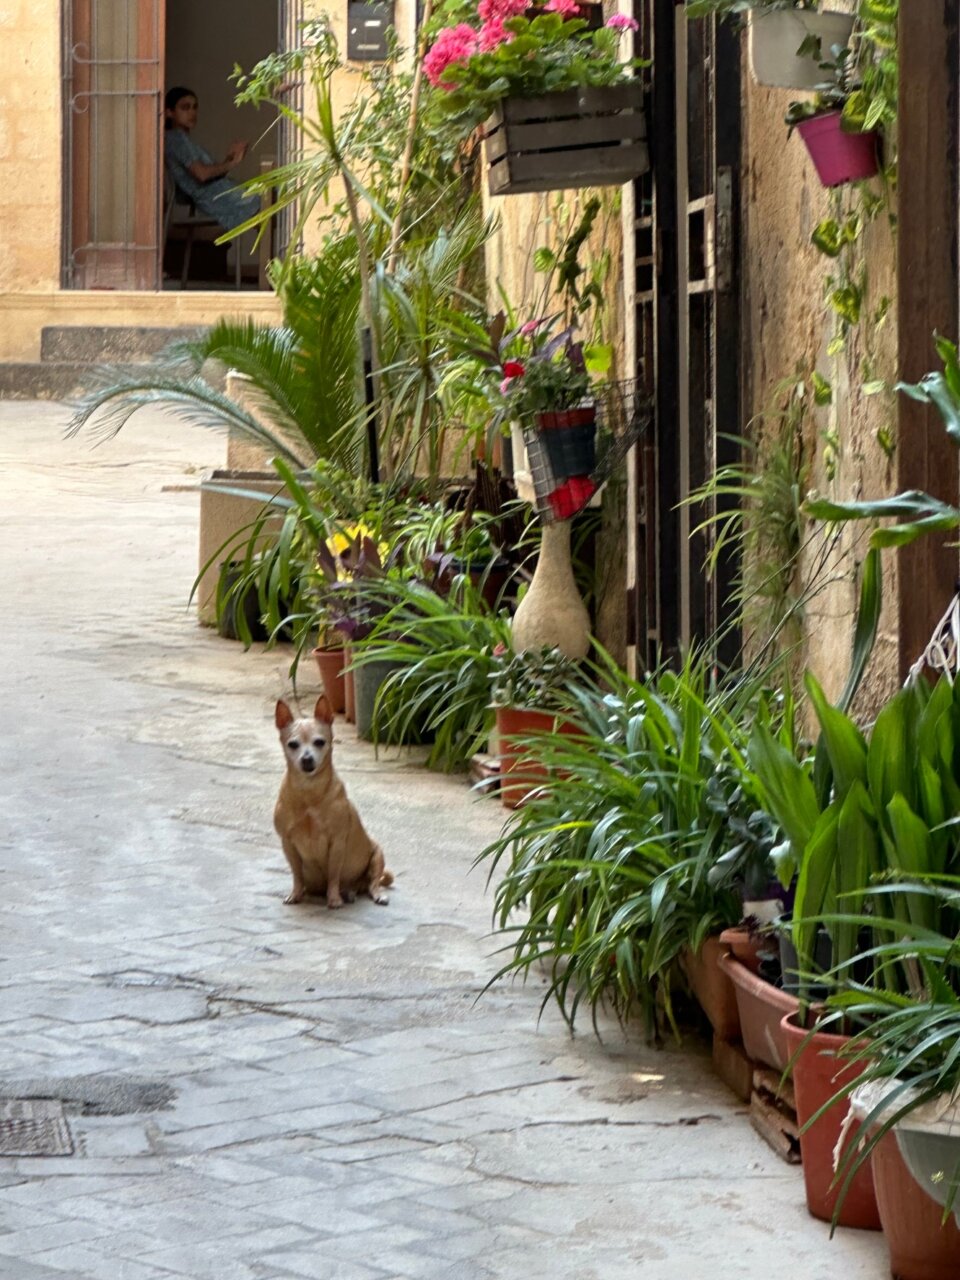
x=207, y=172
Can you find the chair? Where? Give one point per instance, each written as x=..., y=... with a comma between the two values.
x=190, y=222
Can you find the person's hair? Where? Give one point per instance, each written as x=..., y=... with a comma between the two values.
x=172, y=97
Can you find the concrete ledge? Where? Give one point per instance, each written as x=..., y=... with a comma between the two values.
x=223, y=517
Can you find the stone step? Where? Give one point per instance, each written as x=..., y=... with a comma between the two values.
x=109, y=344
x=47, y=379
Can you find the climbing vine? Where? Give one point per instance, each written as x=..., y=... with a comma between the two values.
x=852, y=305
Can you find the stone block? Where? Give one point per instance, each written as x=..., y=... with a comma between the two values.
x=223, y=518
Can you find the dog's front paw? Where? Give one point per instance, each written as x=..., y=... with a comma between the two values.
x=334, y=903
x=380, y=899
x=293, y=897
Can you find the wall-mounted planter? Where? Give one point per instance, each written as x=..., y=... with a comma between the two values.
x=774, y=38
x=839, y=156
x=579, y=138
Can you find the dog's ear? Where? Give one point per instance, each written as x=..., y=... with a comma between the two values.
x=323, y=711
x=283, y=715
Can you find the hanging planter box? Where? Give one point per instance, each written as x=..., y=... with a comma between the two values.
x=578, y=138
x=839, y=156
x=774, y=38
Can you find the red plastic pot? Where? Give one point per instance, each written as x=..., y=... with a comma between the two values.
x=922, y=1246
x=762, y=1008
x=839, y=156
x=519, y=772
x=818, y=1075
x=330, y=664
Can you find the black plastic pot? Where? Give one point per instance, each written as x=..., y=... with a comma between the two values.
x=233, y=604
x=569, y=440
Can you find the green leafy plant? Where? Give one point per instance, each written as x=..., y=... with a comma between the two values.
x=443, y=649
x=535, y=679
x=609, y=870
x=905, y=1046
x=862, y=809
x=483, y=59
x=914, y=514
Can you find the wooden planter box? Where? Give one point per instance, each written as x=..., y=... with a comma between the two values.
x=578, y=138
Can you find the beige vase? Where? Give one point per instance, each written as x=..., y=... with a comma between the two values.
x=551, y=614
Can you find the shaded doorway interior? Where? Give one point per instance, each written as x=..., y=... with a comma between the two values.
x=203, y=43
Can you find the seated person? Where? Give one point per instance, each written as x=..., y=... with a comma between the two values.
x=202, y=180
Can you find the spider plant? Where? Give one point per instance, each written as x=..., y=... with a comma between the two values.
x=908, y=1047
x=444, y=651
x=608, y=870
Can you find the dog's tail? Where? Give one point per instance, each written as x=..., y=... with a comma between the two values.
x=386, y=879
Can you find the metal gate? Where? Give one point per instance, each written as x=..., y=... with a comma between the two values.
x=687, y=327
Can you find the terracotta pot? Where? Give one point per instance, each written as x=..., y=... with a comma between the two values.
x=817, y=1076
x=746, y=946
x=519, y=773
x=330, y=662
x=762, y=1007
x=713, y=989
x=922, y=1246
x=839, y=156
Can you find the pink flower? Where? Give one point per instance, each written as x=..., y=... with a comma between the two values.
x=492, y=34
x=487, y=10
x=620, y=22
x=568, y=8
x=453, y=45
x=530, y=327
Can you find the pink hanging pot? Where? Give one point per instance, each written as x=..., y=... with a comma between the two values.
x=837, y=155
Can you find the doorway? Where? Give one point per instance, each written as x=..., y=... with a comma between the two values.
x=687, y=329
x=119, y=57
x=203, y=43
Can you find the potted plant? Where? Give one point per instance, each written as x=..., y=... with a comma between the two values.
x=786, y=39
x=353, y=561
x=868, y=807
x=833, y=125
x=603, y=872
x=527, y=692
x=561, y=108
x=439, y=652
x=902, y=1085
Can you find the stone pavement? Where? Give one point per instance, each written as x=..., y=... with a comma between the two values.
x=257, y=1091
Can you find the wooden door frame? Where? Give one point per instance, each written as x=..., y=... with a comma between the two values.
x=927, y=297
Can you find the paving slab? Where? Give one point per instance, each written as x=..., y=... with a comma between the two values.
x=333, y=1096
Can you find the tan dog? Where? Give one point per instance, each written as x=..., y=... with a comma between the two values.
x=324, y=840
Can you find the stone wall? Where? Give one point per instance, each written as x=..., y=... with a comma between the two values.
x=788, y=328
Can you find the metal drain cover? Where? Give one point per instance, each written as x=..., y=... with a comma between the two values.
x=34, y=1127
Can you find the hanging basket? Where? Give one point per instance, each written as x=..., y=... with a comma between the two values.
x=578, y=138
x=571, y=453
x=774, y=39
x=839, y=156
